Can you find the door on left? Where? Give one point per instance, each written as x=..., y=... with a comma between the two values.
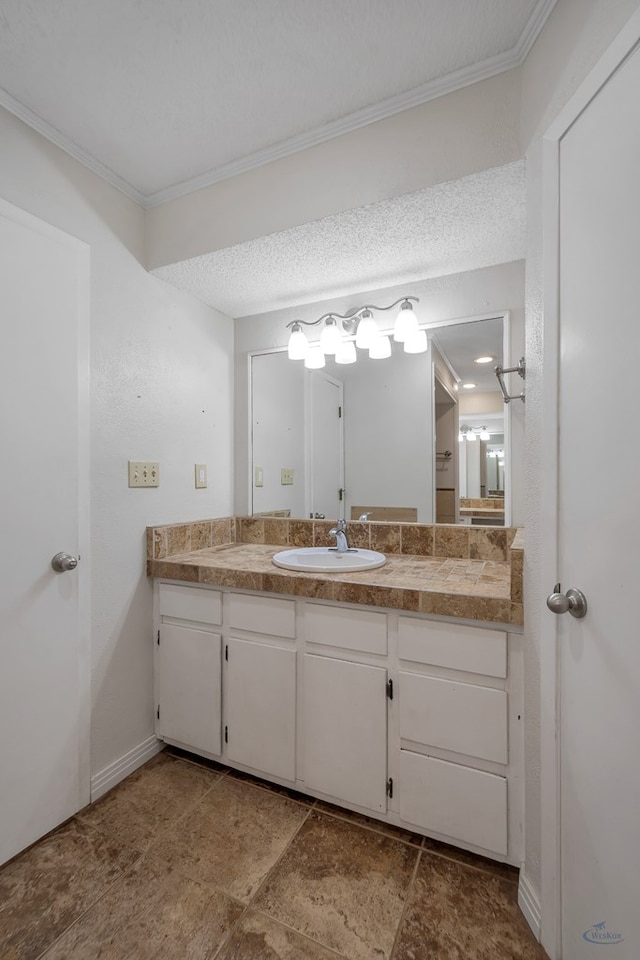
x=44, y=655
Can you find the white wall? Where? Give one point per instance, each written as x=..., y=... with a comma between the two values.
x=161, y=389
x=472, y=129
x=469, y=294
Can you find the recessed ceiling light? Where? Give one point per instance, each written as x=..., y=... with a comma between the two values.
x=469, y=386
x=483, y=359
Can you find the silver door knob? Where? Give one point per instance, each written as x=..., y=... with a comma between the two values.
x=63, y=562
x=573, y=602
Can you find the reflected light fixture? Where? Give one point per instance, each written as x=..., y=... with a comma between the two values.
x=484, y=359
x=484, y=434
x=359, y=329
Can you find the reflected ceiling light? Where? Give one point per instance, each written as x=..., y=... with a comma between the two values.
x=380, y=347
x=417, y=342
x=298, y=346
x=314, y=359
x=406, y=325
x=470, y=435
x=469, y=386
x=484, y=359
x=347, y=352
x=484, y=434
x=360, y=322
x=330, y=338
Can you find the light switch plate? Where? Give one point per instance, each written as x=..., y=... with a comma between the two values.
x=144, y=473
x=286, y=476
x=258, y=479
x=201, y=475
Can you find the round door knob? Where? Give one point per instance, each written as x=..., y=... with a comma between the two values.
x=573, y=602
x=63, y=562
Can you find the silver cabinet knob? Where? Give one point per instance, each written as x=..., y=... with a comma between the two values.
x=573, y=602
x=63, y=562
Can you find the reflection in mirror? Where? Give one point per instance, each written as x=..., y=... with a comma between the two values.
x=381, y=437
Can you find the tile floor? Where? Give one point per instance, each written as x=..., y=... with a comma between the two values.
x=186, y=859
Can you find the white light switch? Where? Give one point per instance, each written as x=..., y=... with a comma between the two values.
x=201, y=475
x=286, y=476
x=144, y=473
x=258, y=477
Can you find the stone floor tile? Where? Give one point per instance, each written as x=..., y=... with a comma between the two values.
x=153, y=913
x=258, y=937
x=50, y=885
x=398, y=833
x=341, y=885
x=447, y=850
x=233, y=837
x=457, y=913
x=150, y=799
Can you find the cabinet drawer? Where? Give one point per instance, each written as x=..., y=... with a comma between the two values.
x=262, y=615
x=190, y=603
x=459, y=802
x=462, y=717
x=451, y=645
x=350, y=629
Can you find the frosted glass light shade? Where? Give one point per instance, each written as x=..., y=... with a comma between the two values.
x=314, y=360
x=367, y=330
x=298, y=343
x=406, y=324
x=471, y=435
x=380, y=347
x=347, y=352
x=330, y=338
x=484, y=434
x=416, y=342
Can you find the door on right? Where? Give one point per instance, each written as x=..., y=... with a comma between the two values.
x=599, y=521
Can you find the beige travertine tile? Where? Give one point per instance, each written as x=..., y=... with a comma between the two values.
x=417, y=539
x=451, y=541
x=242, y=579
x=150, y=799
x=376, y=596
x=276, y=531
x=385, y=537
x=258, y=937
x=271, y=787
x=223, y=531
x=298, y=585
x=153, y=912
x=488, y=543
x=470, y=608
x=342, y=886
x=358, y=534
x=301, y=533
x=378, y=826
x=170, y=570
x=233, y=837
x=504, y=870
x=178, y=539
x=321, y=535
x=455, y=912
x=250, y=529
x=201, y=535
x=517, y=563
x=517, y=613
x=46, y=888
x=159, y=542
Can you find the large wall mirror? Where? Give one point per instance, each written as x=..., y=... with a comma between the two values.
x=412, y=438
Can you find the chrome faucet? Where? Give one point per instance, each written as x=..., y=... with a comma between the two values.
x=340, y=533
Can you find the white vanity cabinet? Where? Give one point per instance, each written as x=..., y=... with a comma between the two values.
x=188, y=667
x=407, y=718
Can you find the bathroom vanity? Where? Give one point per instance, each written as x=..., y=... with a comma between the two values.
x=409, y=717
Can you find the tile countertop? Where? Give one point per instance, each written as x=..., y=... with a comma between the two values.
x=472, y=589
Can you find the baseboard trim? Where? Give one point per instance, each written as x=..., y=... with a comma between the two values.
x=529, y=903
x=121, y=768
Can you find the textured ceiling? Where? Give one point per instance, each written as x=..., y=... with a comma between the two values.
x=160, y=93
x=465, y=224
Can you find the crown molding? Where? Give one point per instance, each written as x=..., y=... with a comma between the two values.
x=83, y=156
x=386, y=108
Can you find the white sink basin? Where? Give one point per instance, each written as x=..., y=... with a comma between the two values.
x=328, y=560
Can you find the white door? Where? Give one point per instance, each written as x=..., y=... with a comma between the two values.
x=326, y=446
x=345, y=730
x=44, y=674
x=599, y=522
x=260, y=718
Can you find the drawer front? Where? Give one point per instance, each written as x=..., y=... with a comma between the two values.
x=454, y=716
x=359, y=630
x=262, y=615
x=190, y=603
x=458, y=802
x=451, y=645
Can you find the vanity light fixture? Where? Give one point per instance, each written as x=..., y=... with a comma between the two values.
x=361, y=323
x=473, y=433
x=484, y=434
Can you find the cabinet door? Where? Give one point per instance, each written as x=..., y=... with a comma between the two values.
x=261, y=707
x=345, y=730
x=189, y=687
